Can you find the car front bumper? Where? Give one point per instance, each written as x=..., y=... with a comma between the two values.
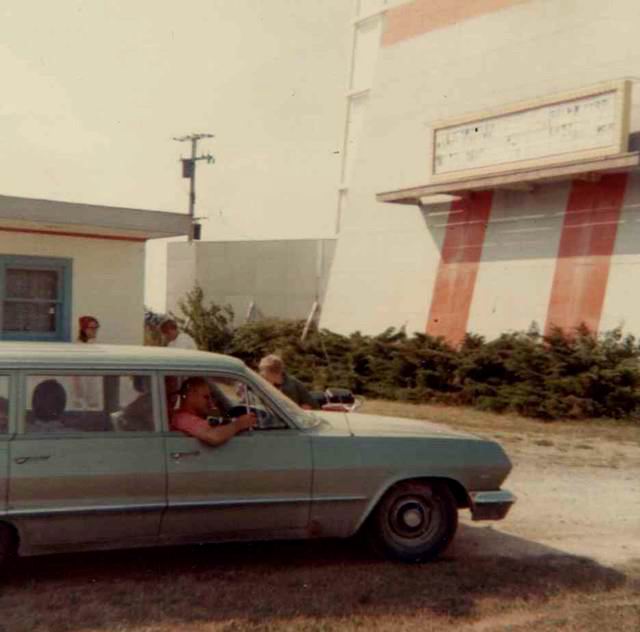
x=492, y=505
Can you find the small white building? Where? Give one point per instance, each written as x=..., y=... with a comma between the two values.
x=61, y=260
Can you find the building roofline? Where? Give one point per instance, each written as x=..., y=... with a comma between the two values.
x=74, y=217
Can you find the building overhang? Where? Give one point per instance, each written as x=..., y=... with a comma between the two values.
x=516, y=180
x=29, y=215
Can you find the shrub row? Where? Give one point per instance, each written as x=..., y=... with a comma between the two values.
x=549, y=377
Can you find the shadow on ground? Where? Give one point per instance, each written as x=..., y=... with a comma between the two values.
x=486, y=540
x=278, y=582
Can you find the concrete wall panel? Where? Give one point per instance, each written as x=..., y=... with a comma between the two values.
x=518, y=260
x=621, y=307
x=182, y=272
x=282, y=278
x=384, y=280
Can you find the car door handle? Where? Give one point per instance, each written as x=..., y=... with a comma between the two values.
x=176, y=456
x=21, y=460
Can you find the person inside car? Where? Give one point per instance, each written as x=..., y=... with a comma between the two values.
x=48, y=404
x=196, y=403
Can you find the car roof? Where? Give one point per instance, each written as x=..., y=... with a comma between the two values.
x=51, y=355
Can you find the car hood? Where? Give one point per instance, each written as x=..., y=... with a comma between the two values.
x=361, y=425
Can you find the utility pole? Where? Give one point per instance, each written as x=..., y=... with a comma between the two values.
x=189, y=171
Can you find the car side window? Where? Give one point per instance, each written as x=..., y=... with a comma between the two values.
x=88, y=403
x=4, y=404
x=231, y=398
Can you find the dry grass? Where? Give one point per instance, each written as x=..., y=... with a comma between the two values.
x=491, y=423
x=311, y=586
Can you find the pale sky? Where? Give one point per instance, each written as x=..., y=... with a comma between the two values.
x=94, y=91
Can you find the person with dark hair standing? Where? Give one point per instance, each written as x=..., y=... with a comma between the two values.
x=196, y=402
x=88, y=329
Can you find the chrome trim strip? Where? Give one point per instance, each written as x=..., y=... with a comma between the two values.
x=334, y=499
x=195, y=504
x=88, y=509
x=261, y=501
x=95, y=509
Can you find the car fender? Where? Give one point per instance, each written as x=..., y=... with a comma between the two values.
x=457, y=488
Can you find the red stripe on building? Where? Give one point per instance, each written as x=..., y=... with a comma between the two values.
x=458, y=269
x=584, y=255
x=416, y=18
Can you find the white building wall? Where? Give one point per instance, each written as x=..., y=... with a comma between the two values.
x=280, y=278
x=518, y=260
x=180, y=271
x=389, y=254
x=107, y=280
x=622, y=305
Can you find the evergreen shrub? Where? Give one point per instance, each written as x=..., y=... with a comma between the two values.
x=574, y=375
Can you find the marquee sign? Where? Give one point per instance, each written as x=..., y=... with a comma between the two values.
x=558, y=130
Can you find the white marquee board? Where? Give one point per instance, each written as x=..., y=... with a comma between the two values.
x=580, y=125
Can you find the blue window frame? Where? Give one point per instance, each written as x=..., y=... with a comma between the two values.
x=35, y=298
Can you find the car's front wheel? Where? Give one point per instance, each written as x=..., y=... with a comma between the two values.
x=415, y=521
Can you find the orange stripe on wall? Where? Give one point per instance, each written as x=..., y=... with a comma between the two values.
x=458, y=269
x=421, y=16
x=584, y=255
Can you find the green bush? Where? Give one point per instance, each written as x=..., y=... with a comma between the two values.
x=576, y=375
x=209, y=325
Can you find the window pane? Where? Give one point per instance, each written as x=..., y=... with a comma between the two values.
x=38, y=284
x=37, y=317
x=89, y=403
x=4, y=404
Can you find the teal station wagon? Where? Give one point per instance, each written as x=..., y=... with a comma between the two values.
x=88, y=461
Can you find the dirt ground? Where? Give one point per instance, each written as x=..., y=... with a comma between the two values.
x=567, y=557
x=576, y=495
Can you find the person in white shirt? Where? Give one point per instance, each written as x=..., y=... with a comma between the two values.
x=173, y=337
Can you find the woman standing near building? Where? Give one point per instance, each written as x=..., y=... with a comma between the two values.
x=88, y=329
x=85, y=390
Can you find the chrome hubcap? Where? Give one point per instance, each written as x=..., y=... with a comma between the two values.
x=410, y=518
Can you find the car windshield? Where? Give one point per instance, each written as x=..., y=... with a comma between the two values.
x=302, y=418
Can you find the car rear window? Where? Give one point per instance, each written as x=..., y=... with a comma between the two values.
x=89, y=403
